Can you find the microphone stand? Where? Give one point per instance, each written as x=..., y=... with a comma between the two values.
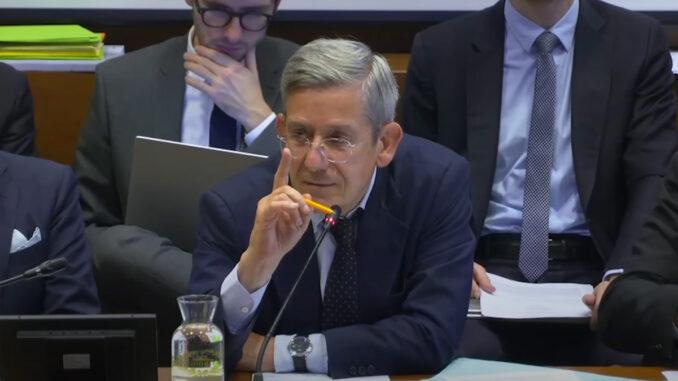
x=12, y=280
x=44, y=269
x=329, y=221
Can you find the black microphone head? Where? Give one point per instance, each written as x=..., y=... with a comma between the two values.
x=337, y=211
x=331, y=218
x=53, y=265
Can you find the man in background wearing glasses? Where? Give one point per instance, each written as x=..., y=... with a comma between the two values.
x=388, y=290
x=216, y=87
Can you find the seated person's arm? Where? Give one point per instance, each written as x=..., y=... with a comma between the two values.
x=126, y=255
x=638, y=310
x=651, y=140
x=72, y=290
x=17, y=130
x=638, y=314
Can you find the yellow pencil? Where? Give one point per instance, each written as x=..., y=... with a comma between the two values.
x=318, y=206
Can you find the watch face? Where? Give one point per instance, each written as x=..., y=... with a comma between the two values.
x=299, y=346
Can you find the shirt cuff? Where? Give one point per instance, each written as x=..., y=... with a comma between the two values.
x=239, y=305
x=316, y=362
x=251, y=136
x=612, y=272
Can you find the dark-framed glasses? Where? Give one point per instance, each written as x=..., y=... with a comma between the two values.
x=335, y=150
x=220, y=17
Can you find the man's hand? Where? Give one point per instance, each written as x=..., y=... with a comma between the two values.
x=480, y=281
x=250, y=351
x=281, y=220
x=592, y=301
x=233, y=86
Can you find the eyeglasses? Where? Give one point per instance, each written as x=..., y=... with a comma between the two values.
x=335, y=150
x=220, y=17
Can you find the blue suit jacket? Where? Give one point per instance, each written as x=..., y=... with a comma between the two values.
x=415, y=249
x=34, y=194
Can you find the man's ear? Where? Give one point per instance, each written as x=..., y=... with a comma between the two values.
x=189, y=2
x=389, y=140
x=280, y=126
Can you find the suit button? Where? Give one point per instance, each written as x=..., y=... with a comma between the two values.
x=352, y=370
x=370, y=369
x=362, y=371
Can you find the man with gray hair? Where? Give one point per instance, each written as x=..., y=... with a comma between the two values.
x=388, y=290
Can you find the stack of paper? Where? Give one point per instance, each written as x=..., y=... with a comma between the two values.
x=51, y=42
x=518, y=300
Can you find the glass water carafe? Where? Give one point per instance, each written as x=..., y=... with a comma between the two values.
x=197, y=344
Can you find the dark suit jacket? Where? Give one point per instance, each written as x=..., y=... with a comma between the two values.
x=637, y=311
x=40, y=194
x=623, y=110
x=142, y=93
x=17, y=132
x=415, y=249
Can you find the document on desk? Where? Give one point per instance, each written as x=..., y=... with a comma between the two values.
x=518, y=300
x=465, y=369
x=315, y=377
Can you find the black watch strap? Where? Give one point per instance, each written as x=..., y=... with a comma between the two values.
x=299, y=364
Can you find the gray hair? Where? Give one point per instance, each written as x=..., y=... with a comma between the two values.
x=326, y=63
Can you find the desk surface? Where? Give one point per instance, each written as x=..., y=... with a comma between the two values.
x=637, y=372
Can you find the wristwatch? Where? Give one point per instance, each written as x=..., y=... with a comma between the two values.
x=299, y=348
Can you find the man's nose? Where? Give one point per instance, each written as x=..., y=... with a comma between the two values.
x=316, y=158
x=233, y=30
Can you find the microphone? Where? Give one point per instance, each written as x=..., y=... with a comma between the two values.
x=329, y=221
x=44, y=269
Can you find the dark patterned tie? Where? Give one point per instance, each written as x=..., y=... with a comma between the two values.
x=534, y=237
x=340, y=302
x=223, y=130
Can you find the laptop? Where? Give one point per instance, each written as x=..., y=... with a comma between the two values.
x=167, y=180
x=78, y=347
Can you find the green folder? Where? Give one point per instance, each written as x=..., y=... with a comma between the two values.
x=45, y=42
x=47, y=34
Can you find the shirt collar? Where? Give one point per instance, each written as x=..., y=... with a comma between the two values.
x=189, y=46
x=526, y=31
x=317, y=218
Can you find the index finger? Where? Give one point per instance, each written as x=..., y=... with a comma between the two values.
x=282, y=175
x=480, y=276
x=251, y=61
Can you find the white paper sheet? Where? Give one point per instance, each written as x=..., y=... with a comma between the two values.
x=315, y=377
x=465, y=369
x=518, y=300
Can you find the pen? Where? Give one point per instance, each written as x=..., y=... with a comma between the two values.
x=318, y=206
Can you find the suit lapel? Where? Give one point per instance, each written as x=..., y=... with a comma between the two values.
x=9, y=197
x=305, y=303
x=380, y=243
x=169, y=92
x=269, y=69
x=591, y=78
x=483, y=92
